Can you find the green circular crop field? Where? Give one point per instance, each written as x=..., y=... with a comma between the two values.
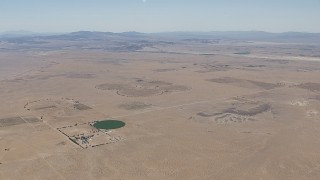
x=109, y=124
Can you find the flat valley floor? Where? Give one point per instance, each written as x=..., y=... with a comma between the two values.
x=188, y=115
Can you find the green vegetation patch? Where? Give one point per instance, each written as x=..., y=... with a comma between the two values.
x=109, y=124
x=243, y=53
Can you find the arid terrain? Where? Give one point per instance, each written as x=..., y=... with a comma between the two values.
x=194, y=108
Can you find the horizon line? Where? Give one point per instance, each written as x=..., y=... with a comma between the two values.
x=133, y=31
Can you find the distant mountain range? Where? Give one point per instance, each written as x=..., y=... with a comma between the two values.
x=247, y=35
x=291, y=37
x=179, y=35
x=22, y=33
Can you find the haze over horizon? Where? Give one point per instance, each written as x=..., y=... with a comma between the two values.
x=160, y=15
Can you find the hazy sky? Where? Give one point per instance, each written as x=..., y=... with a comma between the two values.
x=160, y=15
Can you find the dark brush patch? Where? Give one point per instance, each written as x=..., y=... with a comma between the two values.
x=111, y=87
x=264, y=85
x=310, y=86
x=32, y=119
x=164, y=70
x=202, y=114
x=139, y=92
x=175, y=88
x=134, y=106
x=226, y=80
x=242, y=82
x=46, y=107
x=250, y=112
x=143, y=88
x=255, y=66
x=81, y=76
x=81, y=107
x=11, y=121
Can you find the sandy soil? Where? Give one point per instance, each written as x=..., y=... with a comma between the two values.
x=188, y=116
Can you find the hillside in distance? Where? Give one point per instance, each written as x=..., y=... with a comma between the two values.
x=252, y=43
x=131, y=41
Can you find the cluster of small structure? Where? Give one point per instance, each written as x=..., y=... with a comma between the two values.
x=92, y=137
x=83, y=139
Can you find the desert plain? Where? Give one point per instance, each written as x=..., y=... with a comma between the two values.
x=192, y=110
